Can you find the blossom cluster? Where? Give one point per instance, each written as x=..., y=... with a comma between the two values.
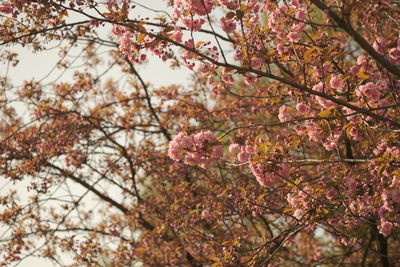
x=264, y=176
x=128, y=48
x=197, y=149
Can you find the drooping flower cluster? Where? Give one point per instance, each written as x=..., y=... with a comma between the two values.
x=198, y=7
x=127, y=47
x=268, y=177
x=197, y=149
x=265, y=175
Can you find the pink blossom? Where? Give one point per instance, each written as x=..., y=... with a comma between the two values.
x=298, y=129
x=284, y=114
x=298, y=27
x=302, y=108
x=333, y=221
x=394, y=55
x=263, y=178
x=234, y=148
x=370, y=91
x=329, y=194
x=337, y=82
x=228, y=79
x=361, y=60
x=218, y=152
x=231, y=4
x=396, y=195
x=385, y=228
x=243, y=156
x=197, y=149
x=202, y=137
x=380, y=148
x=206, y=215
x=176, y=14
x=355, y=134
x=249, y=80
x=382, y=212
x=125, y=43
x=193, y=24
x=283, y=170
x=177, y=35
x=379, y=45
x=279, y=48
x=6, y=8
x=293, y=36
x=354, y=70
x=352, y=184
x=298, y=214
x=194, y=158
x=329, y=146
x=300, y=14
x=250, y=149
x=117, y=31
x=256, y=62
x=199, y=7
x=227, y=25
x=318, y=87
x=313, y=131
x=295, y=3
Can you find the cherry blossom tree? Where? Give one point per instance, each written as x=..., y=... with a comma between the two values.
x=282, y=151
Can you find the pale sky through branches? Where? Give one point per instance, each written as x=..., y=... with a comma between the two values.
x=40, y=66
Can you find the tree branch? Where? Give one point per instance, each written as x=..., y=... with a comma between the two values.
x=358, y=38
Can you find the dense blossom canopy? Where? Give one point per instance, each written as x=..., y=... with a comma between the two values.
x=283, y=150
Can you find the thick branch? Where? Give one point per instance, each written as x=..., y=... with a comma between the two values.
x=345, y=25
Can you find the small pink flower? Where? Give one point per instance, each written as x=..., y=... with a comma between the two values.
x=396, y=195
x=6, y=8
x=355, y=134
x=234, y=148
x=283, y=170
x=329, y=194
x=385, y=228
x=193, y=24
x=295, y=3
x=227, y=25
x=248, y=80
x=177, y=35
x=284, y=114
x=228, y=79
x=337, y=82
x=298, y=129
x=206, y=215
x=318, y=87
x=352, y=184
x=300, y=14
x=280, y=49
x=218, y=152
x=302, y=108
x=176, y=14
x=293, y=36
x=243, y=156
x=361, y=60
x=298, y=27
x=370, y=91
x=250, y=149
